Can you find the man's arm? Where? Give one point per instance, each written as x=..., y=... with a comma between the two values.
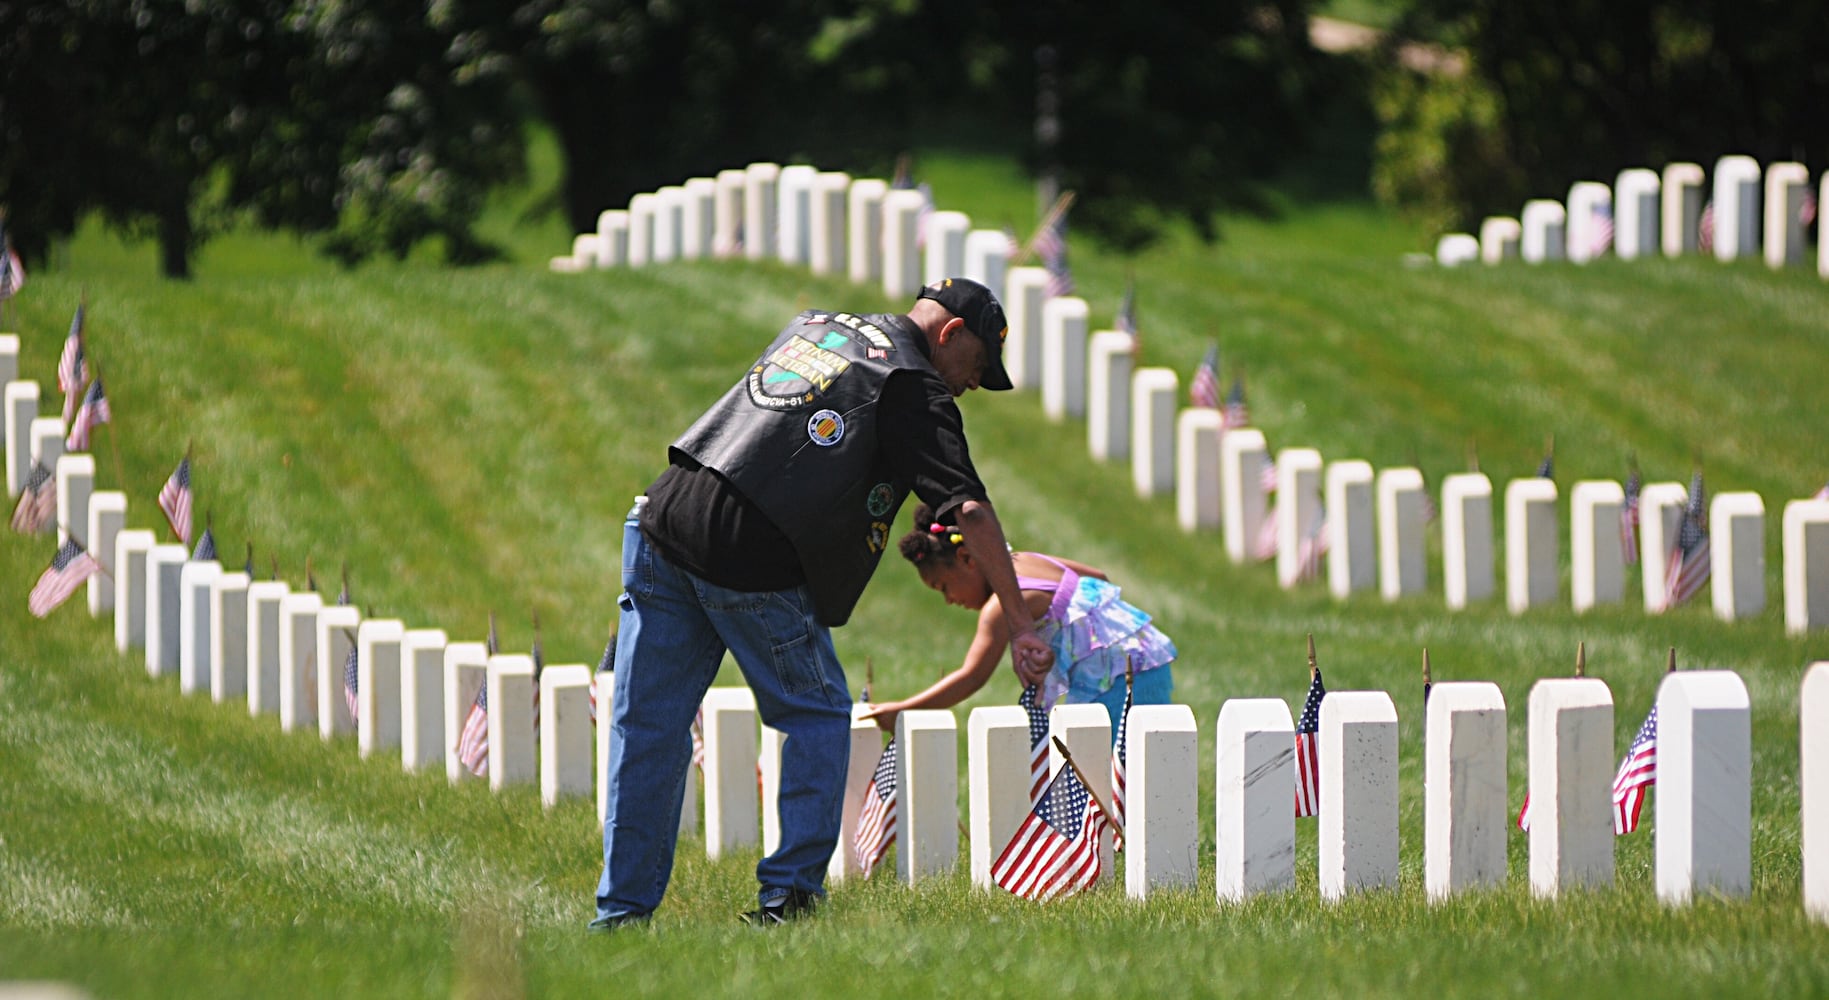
x=983, y=533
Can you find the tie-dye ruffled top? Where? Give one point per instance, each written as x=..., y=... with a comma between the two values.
x=1093, y=629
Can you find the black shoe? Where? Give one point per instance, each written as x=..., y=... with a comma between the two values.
x=608, y=925
x=781, y=909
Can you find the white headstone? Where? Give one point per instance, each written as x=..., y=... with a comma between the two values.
x=196, y=582
x=1108, y=383
x=1543, y=223
x=75, y=487
x=1086, y=730
x=511, y=739
x=1197, y=431
x=298, y=659
x=643, y=210
x=565, y=733
x=337, y=625
x=21, y=410
x=945, y=253
x=1402, y=544
x=731, y=807
x=698, y=218
x=1455, y=249
x=901, y=242
x=826, y=252
x=1358, y=808
x=9, y=358
x=1352, y=561
x=107, y=519
x=760, y=205
x=132, y=552
x=1590, y=215
x=1499, y=238
x=1298, y=510
x=1532, y=543
x=1704, y=797
x=1635, y=210
x=422, y=699
x=1242, y=456
x=379, y=667
x=164, y=564
x=1682, y=209
x=795, y=213
x=1064, y=321
x=587, y=251
x=669, y=223
x=613, y=237
x=1786, y=186
x=1813, y=722
x=1254, y=788
x=1025, y=289
x=265, y=599
x=768, y=777
x=1153, y=395
x=727, y=214
x=1465, y=821
x=987, y=258
x=997, y=759
x=1466, y=538
x=1736, y=527
x=864, y=238
x=466, y=672
x=1660, y=516
x=1736, y=207
x=1597, y=573
x=866, y=750
x=1571, y=784
x=1805, y=536
x=1161, y=800
x=229, y=638
x=46, y=435
x=927, y=779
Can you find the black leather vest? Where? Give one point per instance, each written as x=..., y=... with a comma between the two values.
x=797, y=436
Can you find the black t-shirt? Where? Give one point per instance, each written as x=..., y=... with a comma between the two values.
x=703, y=525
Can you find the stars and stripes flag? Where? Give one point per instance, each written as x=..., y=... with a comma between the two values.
x=1822, y=494
x=1600, y=239
x=206, y=546
x=1237, y=414
x=1055, y=851
x=1524, y=814
x=69, y=568
x=1628, y=517
x=1308, y=756
x=1705, y=228
x=175, y=500
x=697, y=731
x=1806, y=209
x=1312, y=548
x=73, y=366
x=1119, y=757
x=1203, y=388
x=473, y=739
x=1689, y=564
x=539, y=667
x=12, y=272
x=1546, y=469
x=352, y=676
x=93, y=411
x=1637, y=772
x=1126, y=320
x=37, y=501
x=876, y=823
x=1038, y=741
x=1265, y=547
x=1051, y=247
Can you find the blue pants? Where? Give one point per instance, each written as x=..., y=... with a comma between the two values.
x=1151, y=687
x=673, y=633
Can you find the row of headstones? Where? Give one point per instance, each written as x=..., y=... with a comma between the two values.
x=1703, y=817
x=1649, y=213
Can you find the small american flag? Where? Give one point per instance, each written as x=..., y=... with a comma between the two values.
x=37, y=501
x=1038, y=741
x=206, y=546
x=1051, y=247
x=72, y=366
x=351, y=679
x=1126, y=321
x=175, y=500
x=1308, y=757
x=473, y=741
x=697, y=731
x=1601, y=239
x=1822, y=494
x=876, y=823
x=69, y=568
x=1524, y=814
x=1806, y=209
x=92, y=412
x=1637, y=772
x=1203, y=388
x=1688, y=566
x=1312, y=548
x=1705, y=228
x=1118, y=761
x=1055, y=851
x=1237, y=413
x=1628, y=518
x=12, y=273
x=1546, y=469
x=1265, y=544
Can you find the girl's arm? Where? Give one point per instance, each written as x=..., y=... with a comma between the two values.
x=981, y=661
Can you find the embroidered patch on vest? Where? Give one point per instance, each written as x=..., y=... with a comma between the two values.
x=826, y=428
x=881, y=498
x=796, y=373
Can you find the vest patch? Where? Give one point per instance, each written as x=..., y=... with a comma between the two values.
x=794, y=374
x=826, y=428
x=881, y=498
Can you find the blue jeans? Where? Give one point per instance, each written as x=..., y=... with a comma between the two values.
x=1151, y=687
x=674, y=631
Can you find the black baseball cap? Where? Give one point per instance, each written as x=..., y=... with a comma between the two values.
x=983, y=315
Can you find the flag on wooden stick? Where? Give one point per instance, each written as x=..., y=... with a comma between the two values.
x=69, y=568
x=1055, y=851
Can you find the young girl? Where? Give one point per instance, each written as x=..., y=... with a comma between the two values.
x=1077, y=611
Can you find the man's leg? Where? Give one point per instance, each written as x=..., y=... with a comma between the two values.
x=788, y=660
x=667, y=653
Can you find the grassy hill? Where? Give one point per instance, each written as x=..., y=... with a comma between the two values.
x=466, y=441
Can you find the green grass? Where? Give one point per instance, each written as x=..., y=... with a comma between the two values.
x=468, y=441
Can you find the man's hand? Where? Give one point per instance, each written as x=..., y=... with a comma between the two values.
x=1031, y=656
x=884, y=715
